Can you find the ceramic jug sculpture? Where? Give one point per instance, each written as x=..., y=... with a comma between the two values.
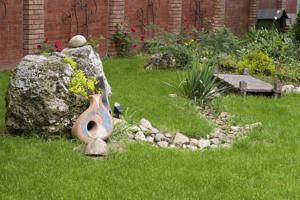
x=95, y=122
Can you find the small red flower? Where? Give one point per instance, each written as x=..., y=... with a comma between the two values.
x=125, y=34
x=133, y=29
x=142, y=38
x=57, y=46
x=46, y=40
x=39, y=46
x=134, y=46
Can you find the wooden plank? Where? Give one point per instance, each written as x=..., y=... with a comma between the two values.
x=253, y=84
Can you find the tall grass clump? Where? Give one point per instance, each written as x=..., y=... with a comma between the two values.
x=199, y=83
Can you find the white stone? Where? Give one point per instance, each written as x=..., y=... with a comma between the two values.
x=169, y=135
x=140, y=136
x=154, y=130
x=215, y=141
x=194, y=142
x=134, y=129
x=288, y=88
x=163, y=144
x=203, y=143
x=235, y=128
x=180, y=139
x=77, y=41
x=173, y=95
x=150, y=139
x=159, y=137
x=96, y=147
x=297, y=90
x=145, y=124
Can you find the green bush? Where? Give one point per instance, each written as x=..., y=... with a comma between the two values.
x=270, y=41
x=123, y=40
x=227, y=63
x=199, y=83
x=257, y=63
x=169, y=43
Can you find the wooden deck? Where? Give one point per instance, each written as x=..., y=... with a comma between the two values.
x=247, y=83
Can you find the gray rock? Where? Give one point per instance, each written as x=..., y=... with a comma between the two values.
x=235, y=128
x=145, y=124
x=203, y=143
x=288, y=88
x=37, y=97
x=96, y=147
x=194, y=142
x=297, y=90
x=150, y=139
x=77, y=41
x=215, y=141
x=89, y=61
x=253, y=126
x=134, y=129
x=168, y=135
x=163, y=144
x=180, y=139
x=159, y=137
x=140, y=136
x=154, y=130
x=162, y=61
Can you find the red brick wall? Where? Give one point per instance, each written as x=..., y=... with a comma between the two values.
x=197, y=14
x=291, y=6
x=237, y=15
x=60, y=20
x=157, y=13
x=11, y=33
x=268, y=4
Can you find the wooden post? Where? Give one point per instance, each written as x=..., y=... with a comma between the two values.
x=277, y=89
x=245, y=71
x=243, y=88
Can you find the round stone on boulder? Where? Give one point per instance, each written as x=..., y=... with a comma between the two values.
x=77, y=41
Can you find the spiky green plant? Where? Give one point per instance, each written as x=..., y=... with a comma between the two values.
x=199, y=83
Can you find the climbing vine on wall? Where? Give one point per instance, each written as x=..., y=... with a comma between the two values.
x=3, y=10
x=80, y=15
x=148, y=16
x=197, y=14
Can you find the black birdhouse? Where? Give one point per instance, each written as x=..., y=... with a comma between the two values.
x=270, y=18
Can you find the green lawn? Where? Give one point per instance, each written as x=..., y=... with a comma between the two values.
x=266, y=165
x=145, y=94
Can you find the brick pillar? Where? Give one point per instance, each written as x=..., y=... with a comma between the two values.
x=281, y=4
x=116, y=15
x=174, y=16
x=33, y=25
x=253, y=12
x=219, y=14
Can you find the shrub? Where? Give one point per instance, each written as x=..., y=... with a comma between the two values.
x=227, y=63
x=257, y=63
x=270, y=41
x=123, y=40
x=79, y=83
x=199, y=83
x=169, y=44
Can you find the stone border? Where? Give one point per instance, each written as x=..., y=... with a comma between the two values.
x=221, y=137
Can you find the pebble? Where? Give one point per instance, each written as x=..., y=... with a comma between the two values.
x=77, y=41
x=140, y=136
x=163, y=144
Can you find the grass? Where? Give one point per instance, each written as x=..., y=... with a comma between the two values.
x=145, y=94
x=263, y=166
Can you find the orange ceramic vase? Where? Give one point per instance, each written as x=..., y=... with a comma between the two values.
x=95, y=122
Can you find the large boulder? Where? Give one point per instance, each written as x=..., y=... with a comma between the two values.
x=38, y=100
